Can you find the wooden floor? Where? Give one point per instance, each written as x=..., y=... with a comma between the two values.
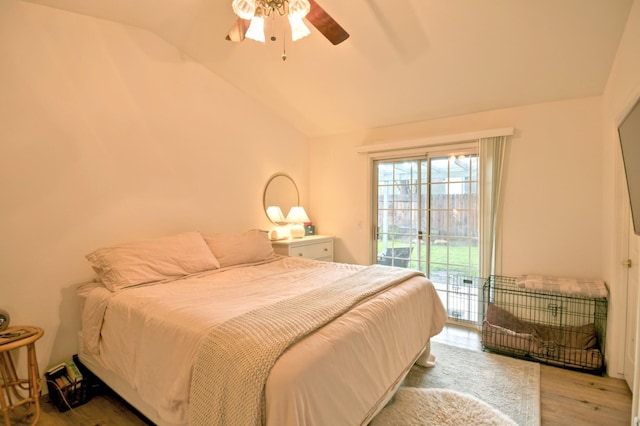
x=566, y=397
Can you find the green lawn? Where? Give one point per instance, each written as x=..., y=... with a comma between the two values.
x=457, y=257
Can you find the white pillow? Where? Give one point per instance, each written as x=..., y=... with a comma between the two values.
x=145, y=261
x=235, y=249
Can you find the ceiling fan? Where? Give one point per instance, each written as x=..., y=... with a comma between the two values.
x=252, y=12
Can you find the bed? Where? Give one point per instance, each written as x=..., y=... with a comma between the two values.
x=161, y=322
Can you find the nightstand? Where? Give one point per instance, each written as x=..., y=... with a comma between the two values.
x=316, y=247
x=16, y=391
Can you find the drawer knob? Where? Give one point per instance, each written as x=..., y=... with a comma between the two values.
x=300, y=254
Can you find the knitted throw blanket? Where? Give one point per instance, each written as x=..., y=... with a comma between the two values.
x=570, y=286
x=235, y=359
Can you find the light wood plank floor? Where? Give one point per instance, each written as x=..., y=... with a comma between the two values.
x=567, y=397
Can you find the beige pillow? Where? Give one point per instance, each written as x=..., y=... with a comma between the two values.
x=235, y=249
x=139, y=262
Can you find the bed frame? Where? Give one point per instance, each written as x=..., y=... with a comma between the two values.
x=119, y=386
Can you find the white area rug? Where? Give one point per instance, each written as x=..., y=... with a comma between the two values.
x=438, y=407
x=510, y=385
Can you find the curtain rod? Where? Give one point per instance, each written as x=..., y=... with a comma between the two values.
x=434, y=140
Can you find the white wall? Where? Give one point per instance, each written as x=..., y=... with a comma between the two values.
x=108, y=134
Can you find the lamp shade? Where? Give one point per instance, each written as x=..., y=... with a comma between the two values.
x=297, y=215
x=275, y=215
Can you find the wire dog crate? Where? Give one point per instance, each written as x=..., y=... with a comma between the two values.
x=552, y=327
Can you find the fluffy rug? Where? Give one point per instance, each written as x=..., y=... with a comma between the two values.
x=507, y=384
x=438, y=407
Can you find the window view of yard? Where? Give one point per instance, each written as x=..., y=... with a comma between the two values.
x=427, y=219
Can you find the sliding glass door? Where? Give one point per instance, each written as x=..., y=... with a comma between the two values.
x=427, y=218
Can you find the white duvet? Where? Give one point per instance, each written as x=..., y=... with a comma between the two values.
x=149, y=336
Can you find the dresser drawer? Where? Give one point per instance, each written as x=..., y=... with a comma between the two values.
x=319, y=251
x=316, y=247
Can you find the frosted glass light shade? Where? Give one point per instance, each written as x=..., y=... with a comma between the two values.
x=256, y=29
x=298, y=28
x=299, y=8
x=244, y=8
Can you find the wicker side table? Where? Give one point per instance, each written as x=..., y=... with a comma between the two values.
x=16, y=391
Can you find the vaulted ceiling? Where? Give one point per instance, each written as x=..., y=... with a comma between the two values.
x=406, y=60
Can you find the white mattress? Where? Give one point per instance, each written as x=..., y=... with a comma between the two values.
x=147, y=337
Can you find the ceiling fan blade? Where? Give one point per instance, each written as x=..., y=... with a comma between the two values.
x=326, y=24
x=238, y=30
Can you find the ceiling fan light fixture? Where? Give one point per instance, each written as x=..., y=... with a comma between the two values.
x=245, y=9
x=256, y=29
x=251, y=13
x=298, y=28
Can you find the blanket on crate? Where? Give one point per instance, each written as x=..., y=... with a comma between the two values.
x=245, y=348
x=560, y=285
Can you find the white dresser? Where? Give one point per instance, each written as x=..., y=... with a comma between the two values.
x=317, y=247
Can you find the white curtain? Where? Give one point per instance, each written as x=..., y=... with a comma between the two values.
x=491, y=152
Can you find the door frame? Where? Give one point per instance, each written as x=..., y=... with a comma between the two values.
x=622, y=235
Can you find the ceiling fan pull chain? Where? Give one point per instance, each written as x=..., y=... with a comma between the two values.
x=273, y=26
x=284, y=43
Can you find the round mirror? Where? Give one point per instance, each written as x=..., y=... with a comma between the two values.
x=280, y=192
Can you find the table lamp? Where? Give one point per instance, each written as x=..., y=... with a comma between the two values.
x=296, y=218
